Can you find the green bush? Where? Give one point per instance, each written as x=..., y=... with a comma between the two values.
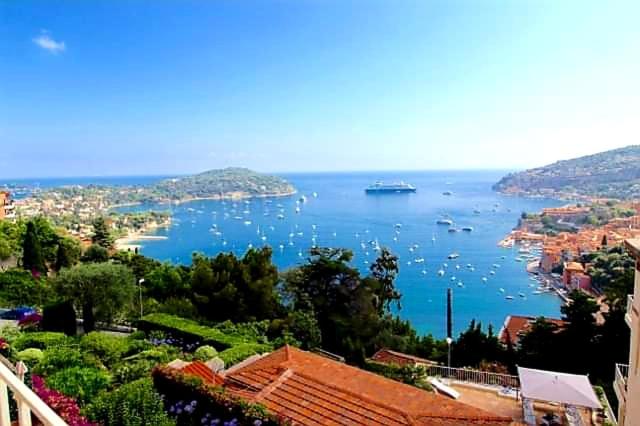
x=108, y=348
x=56, y=359
x=31, y=356
x=190, y=330
x=134, y=404
x=81, y=383
x=41, y=340
x=241, y=352
x=205, y=353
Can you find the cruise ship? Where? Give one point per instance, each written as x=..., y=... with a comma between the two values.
x=380, y=187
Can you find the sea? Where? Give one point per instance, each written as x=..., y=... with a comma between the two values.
x=333, y=210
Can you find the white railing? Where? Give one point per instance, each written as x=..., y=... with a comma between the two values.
x=622, y=372
x=28, y=402
x=486, y=378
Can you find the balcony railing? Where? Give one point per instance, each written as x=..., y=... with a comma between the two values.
x=620, y=382
x=28, y=402
x=485, y=378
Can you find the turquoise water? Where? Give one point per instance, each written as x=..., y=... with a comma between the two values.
x=342, y=215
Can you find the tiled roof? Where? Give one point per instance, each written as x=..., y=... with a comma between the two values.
x=310, y=389
x=388, y=356
x=520, y=325
x=200, y=369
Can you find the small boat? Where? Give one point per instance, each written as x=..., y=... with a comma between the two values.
x=280, y=216
x=492, y=272
x=302, y=199
x=447, y=193
x=447, y=222
x=509, y=297
x=467, y=228
x=452, y=230
x=247, y=222
x=484, y=279
x=315, y=195
x=501, y=290
x=453, y=255
x=476, y=211
x=440, y=272
x=521, y=294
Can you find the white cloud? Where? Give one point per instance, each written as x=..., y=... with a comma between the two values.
x=45, y=41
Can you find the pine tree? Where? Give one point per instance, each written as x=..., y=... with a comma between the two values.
x=101, y=235
x=32, y=257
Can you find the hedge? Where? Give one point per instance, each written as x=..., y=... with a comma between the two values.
x=41, y=340
x=190, y=330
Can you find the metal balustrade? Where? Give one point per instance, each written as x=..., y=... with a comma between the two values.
x=486, y=378
x=28, y=402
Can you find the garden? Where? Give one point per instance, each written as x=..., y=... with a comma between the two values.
x=118, y=379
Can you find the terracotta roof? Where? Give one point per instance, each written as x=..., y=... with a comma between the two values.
x=310, y=389
x=519, y=326
x=574, y=266
x=200, y=369
x=388, y=356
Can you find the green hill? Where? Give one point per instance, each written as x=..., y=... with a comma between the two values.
x=229, y=182
x=609, y=174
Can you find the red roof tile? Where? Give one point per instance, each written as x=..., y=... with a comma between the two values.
x=313, y=390
x=518, y=326
x=200, y=369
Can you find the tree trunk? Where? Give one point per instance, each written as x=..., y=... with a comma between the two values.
x=88, y=320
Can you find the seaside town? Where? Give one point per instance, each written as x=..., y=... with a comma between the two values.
x=319, y=213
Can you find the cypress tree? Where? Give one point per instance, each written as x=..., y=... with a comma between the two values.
x=63, y=257
x=101, y=235
x=32, y=257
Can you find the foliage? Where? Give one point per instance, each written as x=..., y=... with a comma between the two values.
x=58, y=358
x=612, y=271
x=190, y=330
x=30, y=356
x=66, y=407
x=99, y=290
x=241, y=352
x=81, y=383
x=205, y=353
x=20, y=288
x=95, y=253
x=68, y=253
x=32, y=256
x=408, y=374
x=240, y=290
x=534, y=345
x=133, y=404
x=101, y=235
x=210, y=401
x=41, y=340
x=59, y=317
x=474, y=346
x=350, y=310
x=106, y=347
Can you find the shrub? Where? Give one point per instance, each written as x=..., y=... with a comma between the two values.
x=241, y=352
x=66, y=407
x=31, y=356
x=56, y=359
x=41, y=340
x=205, y=353
x=59, y=317
x=134, y=404
x=189, y=330
x=81, y=383
x=108, y=348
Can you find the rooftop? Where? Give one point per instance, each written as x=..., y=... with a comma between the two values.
x=310, y=389
x=387, y=356
x=515, y=326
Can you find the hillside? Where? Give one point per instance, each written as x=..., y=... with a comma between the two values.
x=237, y=182
x=609, y=174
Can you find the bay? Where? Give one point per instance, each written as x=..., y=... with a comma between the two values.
x=342, y=215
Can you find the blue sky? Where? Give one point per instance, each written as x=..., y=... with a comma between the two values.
x=154, y=87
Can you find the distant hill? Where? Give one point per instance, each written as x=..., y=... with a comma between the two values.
x=222, y=183
x=609, y=174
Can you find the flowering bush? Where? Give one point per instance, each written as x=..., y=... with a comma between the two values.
x=66, y=407
x=30, y=321
x=4, y=346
